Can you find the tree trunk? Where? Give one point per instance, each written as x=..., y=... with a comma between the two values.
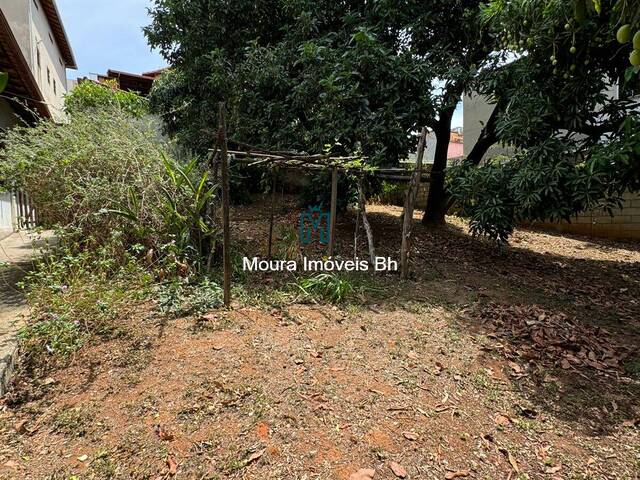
x=437, y=201
x=487, y=138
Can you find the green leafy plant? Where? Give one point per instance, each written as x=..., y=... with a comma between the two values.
x=90, y=96
x=79, y=294
x=189, y=222
x=181, y=298
x=98, y=160
x=185, y=211
x=330, y=287
x=287, y=245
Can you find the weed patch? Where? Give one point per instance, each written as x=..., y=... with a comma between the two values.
x=181, y=297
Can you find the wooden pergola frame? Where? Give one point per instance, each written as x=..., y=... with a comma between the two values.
x=254, y=156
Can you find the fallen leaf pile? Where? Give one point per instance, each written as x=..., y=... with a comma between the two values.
x=538, y=335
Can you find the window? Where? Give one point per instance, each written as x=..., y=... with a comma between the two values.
x=39, y=62
x=61, y=63
x=50, y=37
x=55, y=92
x=48, y=76
x=35, y=2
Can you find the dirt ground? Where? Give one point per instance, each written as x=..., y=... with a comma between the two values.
x=519, y=362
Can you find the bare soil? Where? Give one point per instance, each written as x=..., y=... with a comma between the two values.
x=492, y=362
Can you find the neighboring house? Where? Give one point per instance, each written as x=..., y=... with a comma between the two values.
x=35, y=52
x=624, y=224
x=140, y=83
x=455, y=150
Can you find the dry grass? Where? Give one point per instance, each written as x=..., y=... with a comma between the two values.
x=318, y=392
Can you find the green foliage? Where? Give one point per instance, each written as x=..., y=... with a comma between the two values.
x=104, y=171
x=391, y=192
x=180, y=297
x=74, y=171
x=330, y=287
x=295, y=75
x=287, y=245
x=576, y=146
x=76, y=295
x=184, y=210
x=548, y=181
x=91, y=96
x=303, y=74
x=318, y=191
x=55, y=335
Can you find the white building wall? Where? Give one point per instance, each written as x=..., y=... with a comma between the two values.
x=17, y=15
x=50, y=72
x=29, y=24
x=477, y=111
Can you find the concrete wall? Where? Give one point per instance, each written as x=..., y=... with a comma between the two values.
x=17, y=13
x=30, y=26
x=51, y=74
x=624, y=224
x=476, y=112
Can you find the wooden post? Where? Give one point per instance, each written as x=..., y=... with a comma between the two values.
x=272, y=213
x=334, y=206
x=409, y=205
x=365, y=221
x=355, y=235
x=224, y=164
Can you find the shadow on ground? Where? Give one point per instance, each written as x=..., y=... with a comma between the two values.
x=595, y=283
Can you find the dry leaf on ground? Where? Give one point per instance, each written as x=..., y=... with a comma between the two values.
x=398, y=470
x=363, y=474
x=458, y=474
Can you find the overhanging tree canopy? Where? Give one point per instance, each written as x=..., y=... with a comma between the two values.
x=295, y=75
x=577, y=141
x=367, y=75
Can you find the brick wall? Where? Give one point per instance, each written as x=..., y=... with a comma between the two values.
x=624, y=224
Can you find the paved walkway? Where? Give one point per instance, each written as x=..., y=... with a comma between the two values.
x=15, y=258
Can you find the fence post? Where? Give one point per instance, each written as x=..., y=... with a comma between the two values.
x=272, y=212
x=362, y=202
x=334, y=206
x=409, y=204
x=226, y=234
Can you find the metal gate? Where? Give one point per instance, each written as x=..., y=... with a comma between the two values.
x=17, y=212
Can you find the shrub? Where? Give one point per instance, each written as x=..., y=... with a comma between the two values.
x=318, y=191
x=178, y=298
x=90, y=96
x=76, y=294
x=330, y=287
x=107, y=172
x=74, y=171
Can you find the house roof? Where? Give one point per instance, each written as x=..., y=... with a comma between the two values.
x=131, y=81
x=154, y=73
x=22, y=85
x=57, y=27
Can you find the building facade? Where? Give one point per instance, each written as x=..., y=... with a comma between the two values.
x=35, y=52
